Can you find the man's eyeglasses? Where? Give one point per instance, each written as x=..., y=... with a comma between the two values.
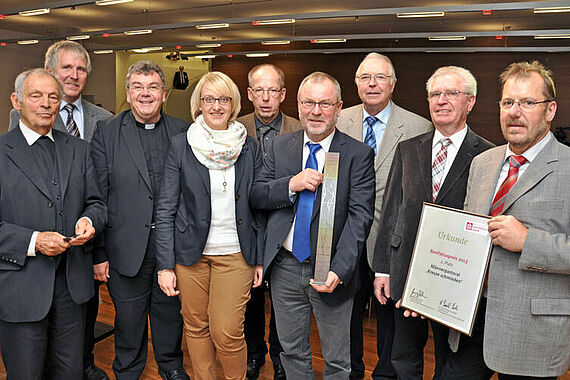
x=211, y=100
x=449, y=94
x=524, y=105
x=274, y=92
x=379, y=78
x=140, y=87
x=309, y=104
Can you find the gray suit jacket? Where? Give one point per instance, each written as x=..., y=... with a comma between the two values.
x=288, y=124
x=527, y=325
x=91, y=115
x=402, y=125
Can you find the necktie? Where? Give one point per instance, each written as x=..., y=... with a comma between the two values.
x=438, y=167
x=370, y=138
x=70, y=124
x=302, y=229
x=515, y=163
x=261, y=132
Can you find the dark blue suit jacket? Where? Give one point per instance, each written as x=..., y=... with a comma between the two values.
x=27, y=283
x=184, y=212
x=353, y=211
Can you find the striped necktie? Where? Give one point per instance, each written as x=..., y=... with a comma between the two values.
x=70, y=124
x=438, y=166
x=370, y=137
x=515, y=163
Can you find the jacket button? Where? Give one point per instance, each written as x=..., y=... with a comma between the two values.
x=58, y=197
x=50, y=204
x=237, y=197
x=61, y=213
x=240, y=221
x=150, y=197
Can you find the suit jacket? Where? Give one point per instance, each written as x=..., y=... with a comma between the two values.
x=91, y=115
x=183, y=214
x=288, y=124
x=402, y=125
x=123, y=177
x=26, y=206
x=178, y=84
x=353, y=210
x=527, y=325
x=409, y=184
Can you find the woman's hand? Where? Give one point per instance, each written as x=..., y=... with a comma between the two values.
x=257, y=276
x=167, y=282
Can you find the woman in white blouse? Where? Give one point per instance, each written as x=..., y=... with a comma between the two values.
x=209, y=242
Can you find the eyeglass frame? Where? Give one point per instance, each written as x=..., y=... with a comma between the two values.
x=449, y=95
x=139, y=87
x=524, y=108
x=264, y=90
x=219, y=100
x=378, y=78
x=324, y=106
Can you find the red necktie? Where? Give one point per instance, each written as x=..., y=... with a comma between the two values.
x=515, y=163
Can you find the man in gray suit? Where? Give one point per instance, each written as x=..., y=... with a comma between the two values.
x=380, y=123
x=527, y=314
x=266, y=92
x=70, y=63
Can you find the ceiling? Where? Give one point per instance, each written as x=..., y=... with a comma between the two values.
x=365, y=24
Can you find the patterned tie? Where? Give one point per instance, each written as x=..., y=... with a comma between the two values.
x=70, y=125
x=302, y=229
x=515, y=163
x=370, y=138
x=261, y=132
x=438, y=166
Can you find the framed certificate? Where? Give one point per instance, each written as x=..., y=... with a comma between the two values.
x=448, y=266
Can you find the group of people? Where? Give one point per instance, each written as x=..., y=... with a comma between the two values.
x=189, y=225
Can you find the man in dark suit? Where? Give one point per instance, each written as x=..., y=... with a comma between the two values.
x=180, y=79
x=294, y=196
x=432, y=167
x=128, y=152
x=51, y=206
x=266, y=92
x=382, y=124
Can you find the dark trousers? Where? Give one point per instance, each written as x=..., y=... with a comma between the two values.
x=410, y=338
x=91, y=312
x=50, y=348
x=254, y=327
x=136, y=299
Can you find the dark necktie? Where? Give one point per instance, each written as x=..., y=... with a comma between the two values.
x=70, y=124
x=302, y=230
x=261, y=132
x=46, y=156
x=370, y=138
x=515, y=163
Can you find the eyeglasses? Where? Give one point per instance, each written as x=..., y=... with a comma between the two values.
x=309, y=104
x=449, y=94
x=524, y=105
x=211, y=100
x=260, y=91
x=140, y=87
x=379, y=78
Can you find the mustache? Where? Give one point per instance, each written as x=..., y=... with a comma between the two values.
x=517, y=122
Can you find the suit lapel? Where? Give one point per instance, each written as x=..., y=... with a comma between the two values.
x=59, y=124
x=240, y=167
x=354, y=130
x=64, y=153
x=88, y=120
x=132, y=140
x=423, y=149
x=392, y=135
x=20, y=153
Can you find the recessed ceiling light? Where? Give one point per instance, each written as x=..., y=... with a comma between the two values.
x=136, y=32
x=77, y=38
x=447, y=38
x=28, y=42
x=111, y=2
x=327, y=40
x=274, y=22
x=103, y=51
x=206, y=56
x=257, y=55
x=420, y=14
x=213, y=26
x=276, y=42
x=549, y=36
x=552, y=10
x=206, y=46
x=35, y=12
x=147, y=49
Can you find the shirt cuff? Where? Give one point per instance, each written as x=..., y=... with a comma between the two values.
x=381, y=275
x=85, y=217
x=32, y=245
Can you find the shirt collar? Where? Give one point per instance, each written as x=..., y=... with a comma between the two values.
x=531, y=153
x=275, y=124
x=32, y=136
x=77, y=103
x=383, y=115
x=325, y=143
x=456, y=138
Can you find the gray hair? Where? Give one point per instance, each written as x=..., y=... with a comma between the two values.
x=71, y=46
x=382, y=57
x=319, y=76
x=21, y=78
x=469, y=80
x=145, y=68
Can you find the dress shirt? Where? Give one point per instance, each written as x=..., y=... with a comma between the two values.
x=274, y=128
x=320, y=155
x=530, y=154
x=379, y=127
x=77, y=115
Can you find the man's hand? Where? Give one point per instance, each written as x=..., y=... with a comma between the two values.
x=51, y=243
x=382, y=289
x=101, y=271
x=167, y=282
x=257, y=276
x=407, y=312
x=507, y=232
x=84, y=231
x=330, y=284
x=308, y=179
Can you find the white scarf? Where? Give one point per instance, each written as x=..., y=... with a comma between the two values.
x=216, y=149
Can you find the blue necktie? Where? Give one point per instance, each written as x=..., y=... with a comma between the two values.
x=370, y=138
x=302, y=230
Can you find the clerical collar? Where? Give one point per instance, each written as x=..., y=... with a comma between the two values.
x=149, y=126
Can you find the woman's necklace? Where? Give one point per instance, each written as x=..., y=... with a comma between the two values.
x=224, y=176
